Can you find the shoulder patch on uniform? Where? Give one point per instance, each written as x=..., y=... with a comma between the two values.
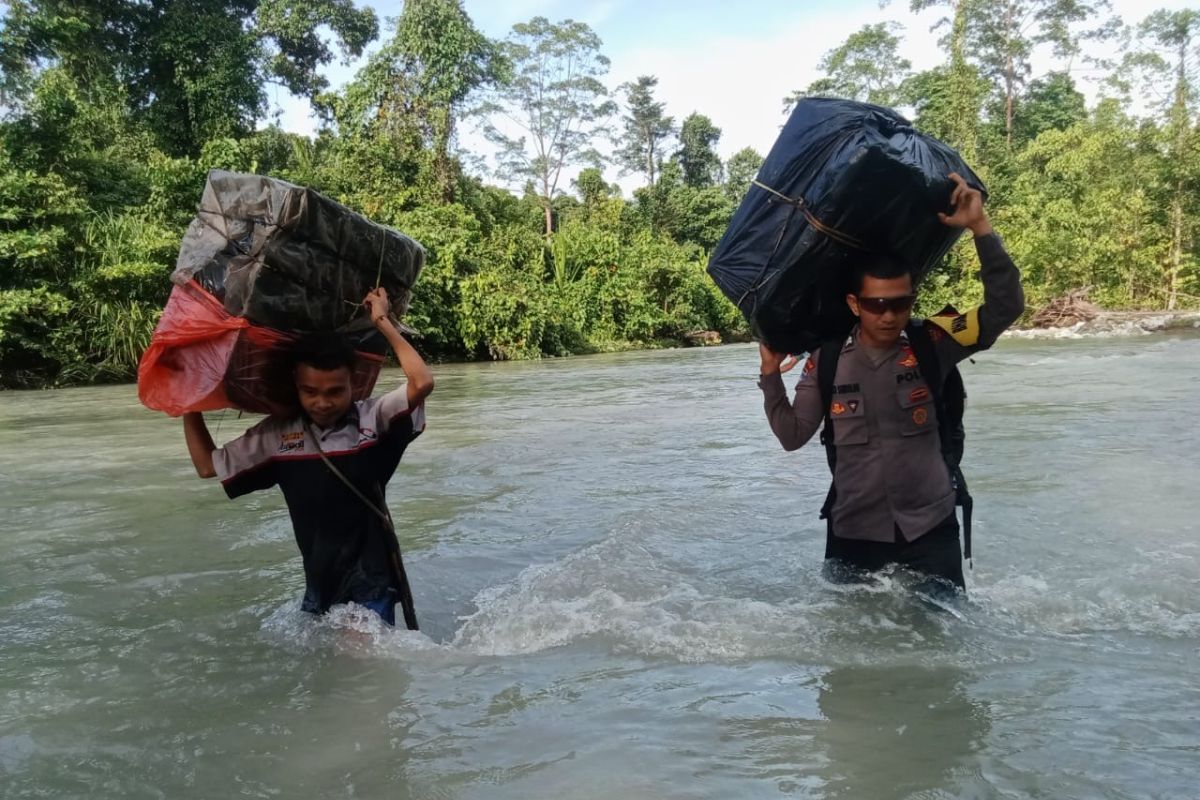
x=963, y=328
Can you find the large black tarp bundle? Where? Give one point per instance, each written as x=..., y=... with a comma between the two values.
x=288, y=258
x=263, y=262
x=843, y=180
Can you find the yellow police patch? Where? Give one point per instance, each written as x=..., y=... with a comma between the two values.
x=963, y=328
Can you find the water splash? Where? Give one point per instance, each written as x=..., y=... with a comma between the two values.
x=1103, y=328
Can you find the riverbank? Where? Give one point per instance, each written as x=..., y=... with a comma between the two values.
x=1116, y=323
x=1104, y=323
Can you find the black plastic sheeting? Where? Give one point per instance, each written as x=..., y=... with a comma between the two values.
x=848, y=178
x=288, y=258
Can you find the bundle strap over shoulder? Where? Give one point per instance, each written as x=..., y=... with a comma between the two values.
x=396, y=561
x=949, y=397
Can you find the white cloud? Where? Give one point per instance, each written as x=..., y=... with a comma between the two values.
x=740, y=82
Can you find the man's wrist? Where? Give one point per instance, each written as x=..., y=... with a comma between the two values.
x=983, y=228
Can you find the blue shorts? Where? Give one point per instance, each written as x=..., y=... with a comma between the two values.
x=384, y=607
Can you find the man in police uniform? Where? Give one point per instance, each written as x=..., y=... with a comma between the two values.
x=344, y=533
x=895, y=500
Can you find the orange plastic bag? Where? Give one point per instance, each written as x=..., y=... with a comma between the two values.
x=202, y=358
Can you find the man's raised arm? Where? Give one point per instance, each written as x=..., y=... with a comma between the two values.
x=420, y=378
x=199, y=443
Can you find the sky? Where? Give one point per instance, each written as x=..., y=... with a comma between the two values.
x=732, y=60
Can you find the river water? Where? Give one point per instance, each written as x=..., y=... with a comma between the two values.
x=618, y=574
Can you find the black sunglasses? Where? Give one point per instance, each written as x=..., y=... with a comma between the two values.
x=879, y=305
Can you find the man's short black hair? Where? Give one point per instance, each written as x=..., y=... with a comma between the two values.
x=324, y=350
x=877, y=265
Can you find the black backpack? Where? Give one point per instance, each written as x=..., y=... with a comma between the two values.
x=950, y=401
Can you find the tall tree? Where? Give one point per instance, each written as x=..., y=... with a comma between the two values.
x=697, y=154
x=1167, y=58
x=961, y=78
x=422, y=79
x=867, y=66
x=647, y=129
x=193, y=69
x=448, y=60
x=545, y=118
x=1002, y=35
x=593, y=188
x=1048, y=103
x=741, y=168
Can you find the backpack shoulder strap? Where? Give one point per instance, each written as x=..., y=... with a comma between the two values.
x=927, y=359
x=949, y=398
x=827, y=362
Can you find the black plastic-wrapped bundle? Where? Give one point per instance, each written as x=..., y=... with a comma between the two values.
x=263, y=262
x=288, y=258
x=843, y=180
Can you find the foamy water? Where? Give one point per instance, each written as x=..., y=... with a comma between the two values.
x=618, y=576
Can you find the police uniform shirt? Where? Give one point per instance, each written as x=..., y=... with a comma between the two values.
x=890, y=473
x=344, y=544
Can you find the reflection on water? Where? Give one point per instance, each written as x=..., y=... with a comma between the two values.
x=890, y=732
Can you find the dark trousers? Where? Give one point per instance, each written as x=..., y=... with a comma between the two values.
x=936, y=554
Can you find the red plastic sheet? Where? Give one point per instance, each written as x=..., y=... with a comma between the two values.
x=202, y=358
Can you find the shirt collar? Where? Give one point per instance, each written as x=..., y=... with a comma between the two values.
x=350, y=417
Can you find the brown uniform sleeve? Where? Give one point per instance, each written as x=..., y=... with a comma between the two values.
x=1003, y=303
x=793, y=423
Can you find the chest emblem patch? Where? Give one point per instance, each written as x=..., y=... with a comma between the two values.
x=918, y=395
x=837, y=409
x=920, y=416
x=908, y=359
x=291, y=442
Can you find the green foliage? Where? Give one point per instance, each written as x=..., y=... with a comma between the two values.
x=1002, y=36
x=37, y=215
x=116, y=109
x=742, y=168
x=505, y=311
x=555, y=99
x=647, y=129
x=453, y=239
x=415, y=88
x=192, y=70
x=688, y=214
x=38, y=336
x=1048, y=103
x=697, y=155
x=1061, y=224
